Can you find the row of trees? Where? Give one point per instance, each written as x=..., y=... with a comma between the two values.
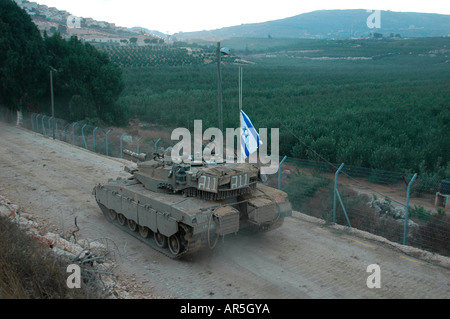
x=144, y=56
x=386, y=113
x=86, y=83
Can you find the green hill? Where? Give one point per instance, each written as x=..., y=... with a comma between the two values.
x=336, y=24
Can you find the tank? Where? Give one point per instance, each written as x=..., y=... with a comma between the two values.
x=179, y=208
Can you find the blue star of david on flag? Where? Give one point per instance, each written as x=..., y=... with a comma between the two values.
x=249, y=137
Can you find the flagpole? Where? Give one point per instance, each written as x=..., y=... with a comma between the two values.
x=240, y=109
x=219, y=85
x=240, y=92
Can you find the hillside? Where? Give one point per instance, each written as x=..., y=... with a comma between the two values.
x=51, y=20
x=336, y=24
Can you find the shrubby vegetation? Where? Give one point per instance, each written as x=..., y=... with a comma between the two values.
x=29, y=270
x=144, y=56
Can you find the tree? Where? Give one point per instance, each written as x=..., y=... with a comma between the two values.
x=87, y=84
x=377, y=35
x=23, y=60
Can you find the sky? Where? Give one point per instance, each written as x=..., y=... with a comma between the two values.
x=172, y=16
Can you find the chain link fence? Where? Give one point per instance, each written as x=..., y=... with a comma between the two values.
x=369, y=199
x=107, y=141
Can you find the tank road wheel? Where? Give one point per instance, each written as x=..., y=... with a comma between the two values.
x=174, y=244
x=161, y=240
x=144, y=231
x=112, y=214
x=121, y=219
x=132, y=225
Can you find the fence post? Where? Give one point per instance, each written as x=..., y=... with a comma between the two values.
x=56, y=130
x=137, y=147
x=407, y=208
x=93, y=135
x=107, y=142
x=121, y=138
x=73, y=133
x=49, y=119
x=335, y=190
x=32, y=121
x=343, y=208
x=279, y=171
x=82, y=135
x=156, y=145
x=37, y=122
x=43, y=125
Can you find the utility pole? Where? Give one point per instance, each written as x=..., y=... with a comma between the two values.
x=219, y=84
x=52, y=103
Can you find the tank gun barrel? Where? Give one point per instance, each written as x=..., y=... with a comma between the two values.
x=139, y=156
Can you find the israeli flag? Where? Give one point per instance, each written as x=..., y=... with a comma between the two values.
x=249, y=137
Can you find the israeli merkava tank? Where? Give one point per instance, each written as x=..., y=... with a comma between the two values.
x=179, y=208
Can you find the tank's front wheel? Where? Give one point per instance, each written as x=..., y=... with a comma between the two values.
x=112, y=214
x=161, y=240
x=174, y=243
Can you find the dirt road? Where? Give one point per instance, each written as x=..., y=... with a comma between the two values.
x=53, y=181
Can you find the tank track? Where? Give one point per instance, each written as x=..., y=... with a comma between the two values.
x=192, y=246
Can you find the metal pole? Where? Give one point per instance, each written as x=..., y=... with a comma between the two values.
x=219, y=84
x=343, y=208
x=137, y=146
x=121, y=149
x=107, y=142
x=73, y=132
x=32, y=121
x=407, y=208
x=241, y=159
x=82, y=134
x=37, y=122
x=50, y=121
x=335, y=190
x=156, y=145
x=43, y=125
x=279, y=171
x=93, y=134
x=240, y=75
x=53, y=106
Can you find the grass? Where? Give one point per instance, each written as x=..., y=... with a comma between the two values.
x=30, y=271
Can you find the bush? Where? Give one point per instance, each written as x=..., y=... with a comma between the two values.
x=420, y=213
x=30, y=271
x=302, y=187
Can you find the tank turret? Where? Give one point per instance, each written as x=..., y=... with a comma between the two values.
x=195, y=179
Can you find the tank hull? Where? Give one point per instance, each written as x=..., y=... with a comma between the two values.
x=178, y=225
